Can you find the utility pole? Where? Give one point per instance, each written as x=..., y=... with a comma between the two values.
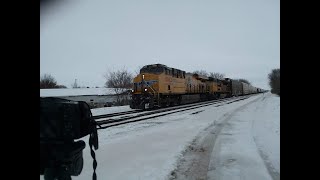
x=75, y=85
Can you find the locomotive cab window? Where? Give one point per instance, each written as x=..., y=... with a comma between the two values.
x=152, y=69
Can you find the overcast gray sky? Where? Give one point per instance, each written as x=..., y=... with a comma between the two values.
x=83, y=39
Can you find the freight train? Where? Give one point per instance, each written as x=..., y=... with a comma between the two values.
x=158, y=85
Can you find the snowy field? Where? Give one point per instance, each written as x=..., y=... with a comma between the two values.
x=109, y=110
x=75, y=92
x=246, y=143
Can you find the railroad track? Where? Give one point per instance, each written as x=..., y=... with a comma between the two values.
x=101, y=118
x=116, y=114
x=106, y=123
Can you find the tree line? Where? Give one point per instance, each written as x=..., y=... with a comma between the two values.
x=120, y=81
x=47, y=81
x=217, y=75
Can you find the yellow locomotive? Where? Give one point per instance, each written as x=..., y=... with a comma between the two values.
x=156, y=86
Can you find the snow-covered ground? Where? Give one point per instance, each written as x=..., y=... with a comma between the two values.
x=245, y=146
x=248, y=146
x=109, y=110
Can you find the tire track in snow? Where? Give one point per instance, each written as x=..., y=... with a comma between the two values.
x=230, y=159
x=272, y=171
x=195, y=160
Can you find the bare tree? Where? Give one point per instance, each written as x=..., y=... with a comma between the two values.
x=137, y=71
x=201, y=73
x=120, y=81
x=244, y=81
x=274, y=81
x=61, y=86
x=47, y=82
x=217, y=75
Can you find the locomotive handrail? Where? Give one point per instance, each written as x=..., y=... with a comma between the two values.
x=155, y=93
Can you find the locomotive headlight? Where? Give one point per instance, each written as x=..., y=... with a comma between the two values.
x=142, y=76
x=145, y=89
